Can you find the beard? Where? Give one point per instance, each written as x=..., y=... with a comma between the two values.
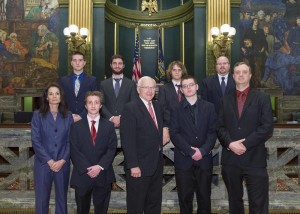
x=118, y=72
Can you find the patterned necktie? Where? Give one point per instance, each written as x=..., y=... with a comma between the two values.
x=223, y=85
x=77, y=85
x=117, y=86
x=93, y=131
x=152, y=114
x=179, y=94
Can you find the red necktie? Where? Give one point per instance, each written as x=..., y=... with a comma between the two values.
x=152, y=113
x=241, y=102
x=179, y=94
x=93, y=132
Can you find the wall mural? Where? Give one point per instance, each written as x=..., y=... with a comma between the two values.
x=270, y=43
x=28, y=44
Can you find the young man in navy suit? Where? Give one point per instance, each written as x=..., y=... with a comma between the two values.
x=193, y=133
x=114, y=102
x=76, y=85
x=245, y=124
x=93, y=146
x=212, y=88
x=141, y=132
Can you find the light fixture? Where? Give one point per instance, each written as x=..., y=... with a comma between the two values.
x=76, y=41
x=222, y=38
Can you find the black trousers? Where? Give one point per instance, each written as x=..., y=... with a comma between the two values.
x=257, y=184
x=144, y=194
x=101, y=196
x=190, y=181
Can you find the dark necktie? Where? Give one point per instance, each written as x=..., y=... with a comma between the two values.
x=179, y=94
x=152, y=114
x=117, y=86
x=241, y=101
x=93, y=132
x=223, y=85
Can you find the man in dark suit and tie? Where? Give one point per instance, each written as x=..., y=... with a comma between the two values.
x=169, y=95
x=218, y=85
x=93, y=147
x=142, y=141
x=76, y=85
x=245, y=123
x=193, y=133
x=118, y=90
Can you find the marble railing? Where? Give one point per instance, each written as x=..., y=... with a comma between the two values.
x=16, y=171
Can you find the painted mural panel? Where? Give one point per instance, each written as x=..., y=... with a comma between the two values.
x=28, y=44
x=270, y=43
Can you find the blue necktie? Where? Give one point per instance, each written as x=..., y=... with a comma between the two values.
x=117, y=86
x=223, y=85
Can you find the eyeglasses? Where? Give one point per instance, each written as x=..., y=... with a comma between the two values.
x=188, y=85
x=222, y=63
x=148, y=87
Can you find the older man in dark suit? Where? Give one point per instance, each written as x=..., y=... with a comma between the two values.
x=142, y=141
x=245, y=123
x=118, y=90
x=193, y=133
x=76, y=85
x=218, y=85
x=93, y=147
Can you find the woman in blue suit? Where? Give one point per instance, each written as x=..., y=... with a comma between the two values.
x=50, y=140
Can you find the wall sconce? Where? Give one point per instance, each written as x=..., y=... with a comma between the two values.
x=222, y=38
x=76, y=42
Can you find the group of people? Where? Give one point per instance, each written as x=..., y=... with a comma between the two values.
x=228, y=109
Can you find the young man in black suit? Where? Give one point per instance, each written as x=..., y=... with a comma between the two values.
x=142, y=141
x=93, y=146
x=76, y=85
x=193, y=133
x=212, y=87
x=245, y=123
x=169, y=95
x=114, y=101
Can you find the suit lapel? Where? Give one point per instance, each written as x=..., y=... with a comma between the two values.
x=230, y=84
x=86, y=129
x=217, y=85
x=123, y=87
x=248, y=101
x=147, y=114
x=172, y=90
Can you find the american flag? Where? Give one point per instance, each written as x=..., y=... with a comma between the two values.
x=136, y=70
x=160, y=69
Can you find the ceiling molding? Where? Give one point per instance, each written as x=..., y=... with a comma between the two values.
x=134, y=18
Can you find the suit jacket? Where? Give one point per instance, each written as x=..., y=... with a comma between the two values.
x=141, y=141
x=113, y=106
x=168, y=98
x=50, y=138
x=76, y=104
x=211, y=89
x=84, y=154
x=184, y=134
x=255, y=125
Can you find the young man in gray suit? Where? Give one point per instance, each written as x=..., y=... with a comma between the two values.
x=118, y=90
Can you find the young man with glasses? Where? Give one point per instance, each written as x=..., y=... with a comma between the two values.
x=218, y=85
x=193, y=133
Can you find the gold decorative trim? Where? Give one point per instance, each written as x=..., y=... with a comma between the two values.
x=165, y=18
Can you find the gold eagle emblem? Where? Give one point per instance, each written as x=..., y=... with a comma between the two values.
x=151, y=6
